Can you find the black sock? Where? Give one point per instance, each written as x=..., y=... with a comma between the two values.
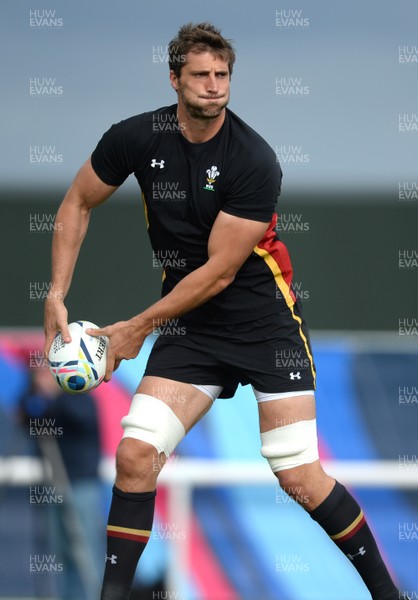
x=128, y=530
x=343, y=520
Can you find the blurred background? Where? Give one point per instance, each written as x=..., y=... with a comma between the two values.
x=333, y=88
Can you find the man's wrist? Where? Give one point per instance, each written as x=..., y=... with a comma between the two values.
x=142, y=324
x=55, y=297
x=55, y=293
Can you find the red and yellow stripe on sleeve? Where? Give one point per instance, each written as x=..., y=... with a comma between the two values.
x=276, y=256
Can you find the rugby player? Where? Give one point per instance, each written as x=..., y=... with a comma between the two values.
x=227, y=286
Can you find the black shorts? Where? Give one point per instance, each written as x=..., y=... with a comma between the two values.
x=272, y=353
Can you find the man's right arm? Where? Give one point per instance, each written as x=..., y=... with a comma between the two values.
x=86, y=192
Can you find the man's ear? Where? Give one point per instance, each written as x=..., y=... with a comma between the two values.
x=174, y=81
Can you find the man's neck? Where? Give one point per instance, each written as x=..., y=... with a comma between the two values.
x=198, y=131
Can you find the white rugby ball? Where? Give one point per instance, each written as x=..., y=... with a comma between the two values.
x=80, y=365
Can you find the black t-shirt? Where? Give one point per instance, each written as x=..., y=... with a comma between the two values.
x=184, y=186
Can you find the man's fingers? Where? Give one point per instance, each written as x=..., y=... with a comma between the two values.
x=110, y=366
x=48, y=343
x=65, y=332
x=111, y=362
x=98, y=332
x=49, y=337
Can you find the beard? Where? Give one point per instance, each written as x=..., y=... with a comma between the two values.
x=207, y=111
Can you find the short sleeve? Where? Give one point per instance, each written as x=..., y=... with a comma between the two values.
x=254, y=187
x=110, y=159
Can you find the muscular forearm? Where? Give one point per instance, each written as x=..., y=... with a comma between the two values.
x=231, y=242
x=86, y=192
x=192, y=291
x=73, y=219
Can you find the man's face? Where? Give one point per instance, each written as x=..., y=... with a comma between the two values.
x=203, y=85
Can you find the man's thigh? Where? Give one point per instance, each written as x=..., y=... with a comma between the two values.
x=285, y=411
x=188, y=403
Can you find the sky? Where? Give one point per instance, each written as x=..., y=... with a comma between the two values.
x=332, y=86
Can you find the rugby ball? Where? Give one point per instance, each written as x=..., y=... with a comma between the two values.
x=80, y=365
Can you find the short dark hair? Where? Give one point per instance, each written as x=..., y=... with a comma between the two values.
x=203, y=37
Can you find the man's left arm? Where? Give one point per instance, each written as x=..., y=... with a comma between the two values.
x=231, y=242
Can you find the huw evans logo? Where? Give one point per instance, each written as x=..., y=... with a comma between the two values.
x=168, y=531
x=168, y=328
x=44, y=495
x=291, y=359
x=291, y=563
x=44, y=427
x=45, y=86
x=408, y=462
x=164, y=259
x=160, y=55
x=44, y=155
x=44, y=563
x=291, y=19
x=408, y=532
x=166, y=123
x=408, y=326
x=408, y=122
x=41, y=290
x=45, y=19
x=407, y=191
x=168, y=190
x=43, y=223
x=408, y=394
x=37, y=359
x=298, y=290
x=291, y=155
x=291, y=223
x=408, y=55
x=408, y=259
x=291, y=86
x=291, y=495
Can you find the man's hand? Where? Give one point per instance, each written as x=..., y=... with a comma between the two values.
x=56, y=319
x=125, y=341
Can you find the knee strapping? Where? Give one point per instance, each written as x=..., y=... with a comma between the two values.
x=151, y=420
x=291, y=445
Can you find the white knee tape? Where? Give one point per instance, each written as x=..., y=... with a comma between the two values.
x=291, y=445
x=151, y=420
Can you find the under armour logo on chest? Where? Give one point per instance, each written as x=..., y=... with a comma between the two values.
x=155, y=163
